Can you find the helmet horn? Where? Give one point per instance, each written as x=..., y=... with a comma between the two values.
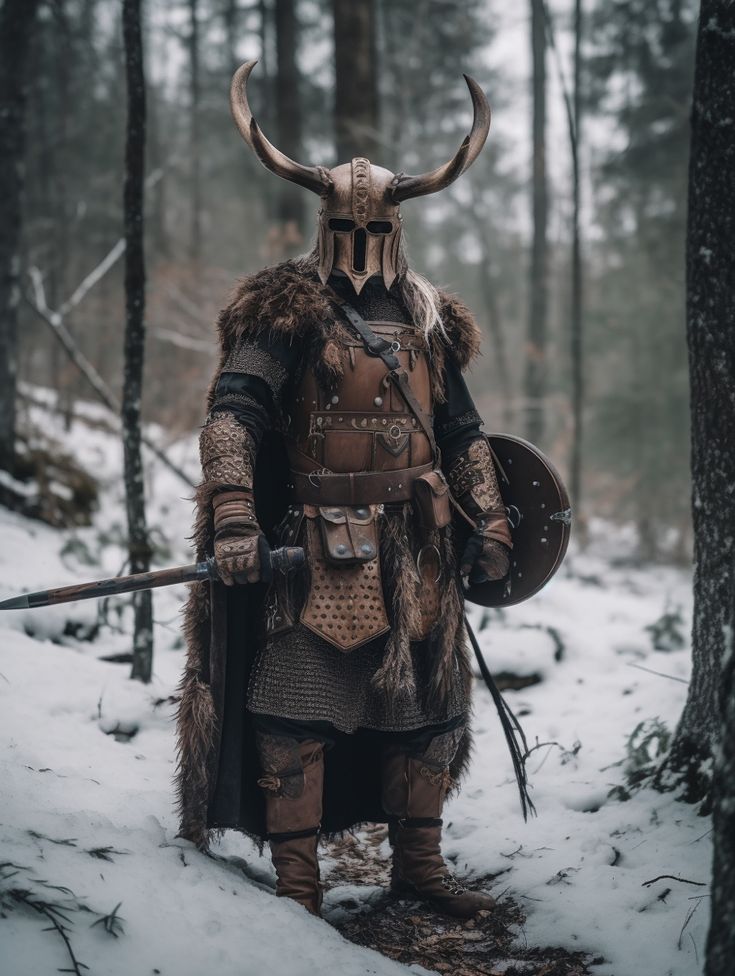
x=418, y=186
x=314, y=178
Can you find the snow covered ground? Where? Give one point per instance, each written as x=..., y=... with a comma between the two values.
x=86, y=817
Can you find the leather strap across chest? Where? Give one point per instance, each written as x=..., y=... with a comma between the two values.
x=375, y=345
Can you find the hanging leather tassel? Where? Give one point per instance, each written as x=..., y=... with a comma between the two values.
x=511, y=728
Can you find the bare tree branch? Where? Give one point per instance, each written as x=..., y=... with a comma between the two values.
x=55, y=320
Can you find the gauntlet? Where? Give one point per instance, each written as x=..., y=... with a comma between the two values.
x=227, y=454
x=474, y=484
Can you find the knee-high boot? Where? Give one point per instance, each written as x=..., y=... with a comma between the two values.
x=413, y=795
x=293, y=810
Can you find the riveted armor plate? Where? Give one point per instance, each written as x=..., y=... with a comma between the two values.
x=345, y=604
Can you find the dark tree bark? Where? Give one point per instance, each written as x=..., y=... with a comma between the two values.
x=16, y=29
x=195, y=160
x=356, y=101
x=721, y=939
x=290, y=201
x=138, y=543
x=711, y=341
x=538, y=282
x=707, y=726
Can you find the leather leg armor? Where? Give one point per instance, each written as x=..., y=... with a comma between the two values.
x=292, y=784
x=414, y=791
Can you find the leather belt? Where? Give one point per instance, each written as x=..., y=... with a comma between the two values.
x=360, y=488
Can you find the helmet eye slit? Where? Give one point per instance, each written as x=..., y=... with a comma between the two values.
x=341, y=224
x=380, y=227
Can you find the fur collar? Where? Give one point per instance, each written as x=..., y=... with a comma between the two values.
x=288, y=298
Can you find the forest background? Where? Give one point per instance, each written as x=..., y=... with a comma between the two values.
x=567, y=238
x=213, y=213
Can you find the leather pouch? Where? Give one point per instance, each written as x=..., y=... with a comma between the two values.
x=349, y=535
x=431, y=493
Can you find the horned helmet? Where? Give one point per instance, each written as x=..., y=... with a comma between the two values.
x=359, y=218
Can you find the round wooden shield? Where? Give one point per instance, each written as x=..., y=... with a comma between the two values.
x=540, y=517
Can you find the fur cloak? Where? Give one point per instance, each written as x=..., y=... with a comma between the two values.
x=216, y=761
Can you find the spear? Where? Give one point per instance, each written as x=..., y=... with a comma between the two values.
x=282, y=560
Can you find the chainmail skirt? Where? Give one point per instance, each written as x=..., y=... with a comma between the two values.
x=298, y=675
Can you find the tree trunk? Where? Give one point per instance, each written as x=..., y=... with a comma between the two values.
x=195, y=238
x=231, y=20
x=16, y=28
x=576, y=310
x=721, y=939
x=290, y=201
x=138, y=544
x=356, y=101
x=711, y=341
x=538, y=284
x=478, y=216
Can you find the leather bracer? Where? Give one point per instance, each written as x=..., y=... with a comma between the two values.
x=227, y=452
x=474, y=483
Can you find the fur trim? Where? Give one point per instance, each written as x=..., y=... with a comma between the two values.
x=196, y=721
x=403, y=590
x=288, y=299
x=461, y=338
x=463, y=332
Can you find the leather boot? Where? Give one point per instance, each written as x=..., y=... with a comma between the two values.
x=293, y=813
x=413, y=793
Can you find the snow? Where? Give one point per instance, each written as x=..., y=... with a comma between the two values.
x=87, y=760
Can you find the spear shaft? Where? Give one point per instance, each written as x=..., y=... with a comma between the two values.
x=285, y=559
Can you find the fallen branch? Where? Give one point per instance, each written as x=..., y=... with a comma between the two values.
x=671, y=877
x=661, y=674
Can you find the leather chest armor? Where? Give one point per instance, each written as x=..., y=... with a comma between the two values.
x=362, y=424
x=353, y=450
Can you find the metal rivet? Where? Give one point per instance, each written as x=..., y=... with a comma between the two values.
x=335, y=399
x=378, y=401
x=341, y=549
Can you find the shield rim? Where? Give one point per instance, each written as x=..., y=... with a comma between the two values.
x=472, y=593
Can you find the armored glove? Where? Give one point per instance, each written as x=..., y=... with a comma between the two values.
x=227, y=453
x=474, y=483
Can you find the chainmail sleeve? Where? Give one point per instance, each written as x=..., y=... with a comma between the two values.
x=253, y=382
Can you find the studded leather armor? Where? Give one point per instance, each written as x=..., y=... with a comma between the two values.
x=363, y=424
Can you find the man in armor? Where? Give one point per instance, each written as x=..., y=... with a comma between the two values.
x=339, y=420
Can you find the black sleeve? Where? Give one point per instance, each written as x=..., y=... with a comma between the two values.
x=253, y=381
x=456, y=421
